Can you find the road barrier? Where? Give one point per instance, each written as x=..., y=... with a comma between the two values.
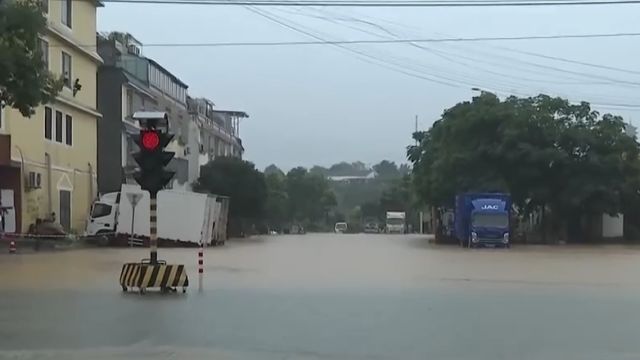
x=144, y=275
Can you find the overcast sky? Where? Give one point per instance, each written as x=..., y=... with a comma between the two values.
x=324, y=104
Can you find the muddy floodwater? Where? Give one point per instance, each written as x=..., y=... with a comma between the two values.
x=326, y=296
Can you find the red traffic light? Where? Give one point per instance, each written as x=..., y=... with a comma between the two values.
x=150, y=140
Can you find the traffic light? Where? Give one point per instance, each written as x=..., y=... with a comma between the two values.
x=152, y=159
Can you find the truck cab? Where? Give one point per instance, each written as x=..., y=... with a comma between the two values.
x=395, y=222
x=483, y=219
x=104, y=213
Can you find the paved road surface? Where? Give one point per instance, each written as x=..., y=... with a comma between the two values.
x=329, y=297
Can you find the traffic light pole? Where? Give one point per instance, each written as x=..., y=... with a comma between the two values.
x=153, y=228
x=152, y=176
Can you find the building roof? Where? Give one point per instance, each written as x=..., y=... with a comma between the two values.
x=369, y=176
x=241, y=114
x=167, y=72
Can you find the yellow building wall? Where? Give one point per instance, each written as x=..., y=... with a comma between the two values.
x=83, y=20
x=73, y=167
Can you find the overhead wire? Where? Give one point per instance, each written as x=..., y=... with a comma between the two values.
x=448, y=56
x=362, y=56
x=402, y=3
x=512, y=91
x=402, y=68
x=383, y=3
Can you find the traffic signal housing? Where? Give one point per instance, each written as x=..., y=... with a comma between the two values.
x=152, y=159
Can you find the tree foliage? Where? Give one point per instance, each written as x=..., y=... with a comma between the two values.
x=273, y=169
x=239, y=180
x=357, y=168
x=298, y=197
x=546, y=152
x=387, y=169
x=25, y=81
x=309, y=195
x=277, y=204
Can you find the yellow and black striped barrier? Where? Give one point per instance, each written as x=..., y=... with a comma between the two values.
x=145, y=275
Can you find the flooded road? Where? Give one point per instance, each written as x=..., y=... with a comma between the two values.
x=329, y=297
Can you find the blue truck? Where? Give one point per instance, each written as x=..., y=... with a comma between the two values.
x=482, y=219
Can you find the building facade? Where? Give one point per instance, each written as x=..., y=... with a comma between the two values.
x=171, y=94
x=129, y=82
x=48, y=161
x=215, y=133
x=123, y=89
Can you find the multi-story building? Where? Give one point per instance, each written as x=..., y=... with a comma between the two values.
x=171, y=94
x=48, y=160
x=217, y=133
x=129, y=82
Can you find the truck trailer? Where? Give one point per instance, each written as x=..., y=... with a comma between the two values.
x=183, y=217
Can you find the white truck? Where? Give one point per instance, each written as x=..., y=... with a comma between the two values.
x=395, y=222
x=186, y=217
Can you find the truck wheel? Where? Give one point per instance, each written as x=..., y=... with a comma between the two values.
x=124, y=288
x=102, y=239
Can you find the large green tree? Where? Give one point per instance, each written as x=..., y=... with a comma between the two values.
x=277, y=204
x=547, y=152
x=25, y=81
x=273, y=169
x=386, y=169
x=239, y=180
x=310, y=197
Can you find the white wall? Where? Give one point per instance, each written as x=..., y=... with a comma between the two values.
x=612, y=226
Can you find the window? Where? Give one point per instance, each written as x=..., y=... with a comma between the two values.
x=100, y=210
x=66, y=12
x=44, y=47
x=47, y=123
x=58, y=126
x=66, y=69
x=68, y=130
x=495, y=220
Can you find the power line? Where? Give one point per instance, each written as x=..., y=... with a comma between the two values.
x=381, y=41
x=417, y=74
x=570, y=61
x=392, y=41
x=448, y=56
x=377, y=3
x=361, y=55
x=392, y=35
